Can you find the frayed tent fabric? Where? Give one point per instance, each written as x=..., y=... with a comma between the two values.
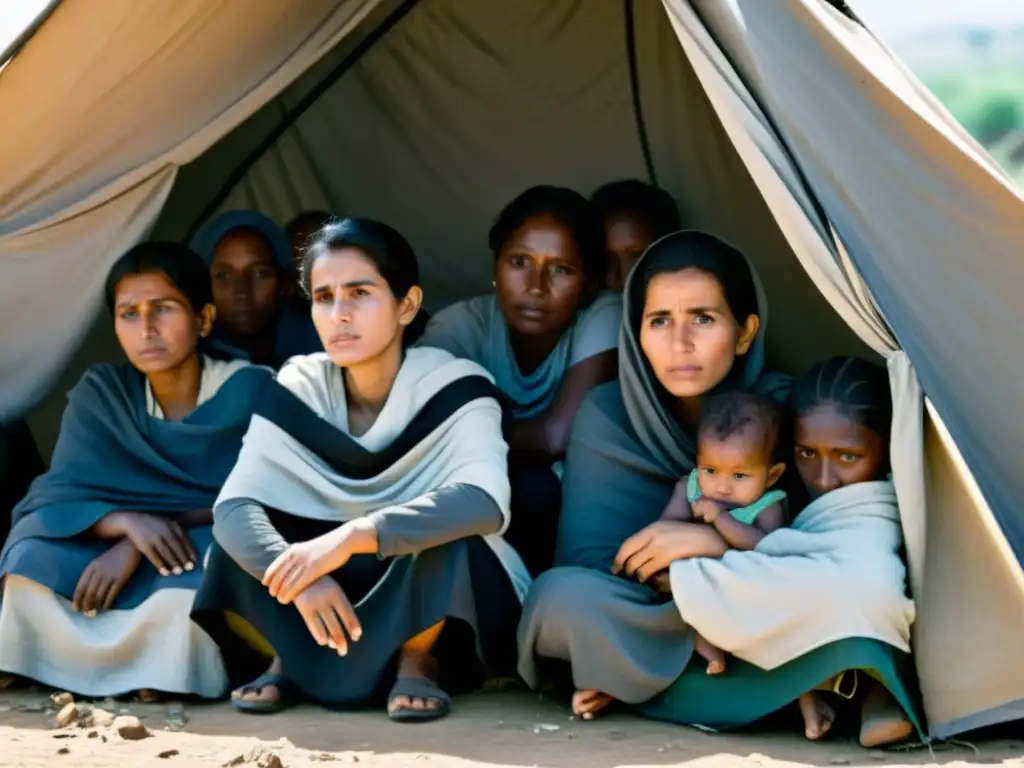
x=878, y=225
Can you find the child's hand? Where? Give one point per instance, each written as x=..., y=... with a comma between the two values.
x=706, y=510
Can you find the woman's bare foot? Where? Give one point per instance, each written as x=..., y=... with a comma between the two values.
x=267, y=694
x=416, y=665
x=882, y=720
x=586, y=704
x=712, y=654
x=818, y=715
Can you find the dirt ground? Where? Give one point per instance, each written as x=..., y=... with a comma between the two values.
x=493, y=729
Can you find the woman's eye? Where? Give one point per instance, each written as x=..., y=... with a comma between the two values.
x=323, y=298
x=659, y=322
x=703, y=319
x=266, y=274
x=805, y=453
x=517, y=260
x=848, y=458
x=360, y=293
x=129, y=314
x=561, y=269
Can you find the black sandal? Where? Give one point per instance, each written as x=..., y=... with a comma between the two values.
x=418, y=688
x=285, y=695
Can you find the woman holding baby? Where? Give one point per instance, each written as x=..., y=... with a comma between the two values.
x=663, y=548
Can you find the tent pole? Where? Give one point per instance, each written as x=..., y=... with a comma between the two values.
x=634, y=86
x=27, y=34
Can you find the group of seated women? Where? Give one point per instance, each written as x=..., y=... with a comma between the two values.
x=587, y=476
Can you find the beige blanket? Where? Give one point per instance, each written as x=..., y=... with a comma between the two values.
x=835, y=573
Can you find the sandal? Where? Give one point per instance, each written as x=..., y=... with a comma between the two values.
x=418, y=688
x=285, y=695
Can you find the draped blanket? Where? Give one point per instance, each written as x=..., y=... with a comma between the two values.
x=441, y=425
x=835, y=573
x=112, y=456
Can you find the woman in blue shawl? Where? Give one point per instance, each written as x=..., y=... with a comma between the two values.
x=107, y=548
x=254, y=286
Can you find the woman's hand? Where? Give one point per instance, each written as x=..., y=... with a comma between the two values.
x=326, y=609
x=660, y=544
x=161, y=541
x=102, y=581
x=305, y=562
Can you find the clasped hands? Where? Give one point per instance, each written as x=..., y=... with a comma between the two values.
x=301, y=576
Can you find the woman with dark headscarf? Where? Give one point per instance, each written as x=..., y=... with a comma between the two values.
x=107, y=548
x=547, y=334
x=694, y=324
x=251, y=266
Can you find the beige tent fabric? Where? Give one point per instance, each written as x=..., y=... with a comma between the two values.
x=997, y=682
x=99, y=108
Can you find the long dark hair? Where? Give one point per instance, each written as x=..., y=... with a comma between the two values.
x=391, y=254
x=651, y=205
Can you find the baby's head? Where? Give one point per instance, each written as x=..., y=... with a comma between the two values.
x=737, y=447
x=843, y=410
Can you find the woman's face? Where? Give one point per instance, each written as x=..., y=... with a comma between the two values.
x=155, y=323
x=688, y=333
x=246, y=283
x=539, y=278
x=354, y=310
x=626, y=238
x=833, y=450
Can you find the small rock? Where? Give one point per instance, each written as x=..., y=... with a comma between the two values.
x=93, y=734
x=548, y=727
x=63, y=751
x=63, y=735
x=103, y=739
x=67, y=715
x=130, y=729
x=4, y=708
x=839, y=761
x=270, y=760
x=61, y=700
x=324, y=757
x=168, y=753
x=124, y=711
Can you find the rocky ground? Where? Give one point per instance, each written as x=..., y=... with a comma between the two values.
x=38, y=728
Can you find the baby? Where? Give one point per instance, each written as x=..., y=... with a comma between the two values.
x=731, y=488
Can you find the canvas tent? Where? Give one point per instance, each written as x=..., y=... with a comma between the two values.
x=877, y=224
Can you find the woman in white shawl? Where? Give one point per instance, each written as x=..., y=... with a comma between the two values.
x=359, y=534
x=548, y=335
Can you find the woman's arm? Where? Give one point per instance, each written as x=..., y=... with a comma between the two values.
x=657, y=546
x=243, y=529
x=542, y=439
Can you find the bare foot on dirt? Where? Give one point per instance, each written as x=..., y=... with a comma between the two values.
x=267, y=694
x=588, y=703
x=712, y=654
x=882, y=720
x=818, y=715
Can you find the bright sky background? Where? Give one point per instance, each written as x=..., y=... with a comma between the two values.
x=889, y=18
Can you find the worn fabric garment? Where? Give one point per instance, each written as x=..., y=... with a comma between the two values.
x=747, y=514
x=294, y=333
x=431, y=476
x=112, y=455
x=835, y=573
x=624, y=459
x=476, y=330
